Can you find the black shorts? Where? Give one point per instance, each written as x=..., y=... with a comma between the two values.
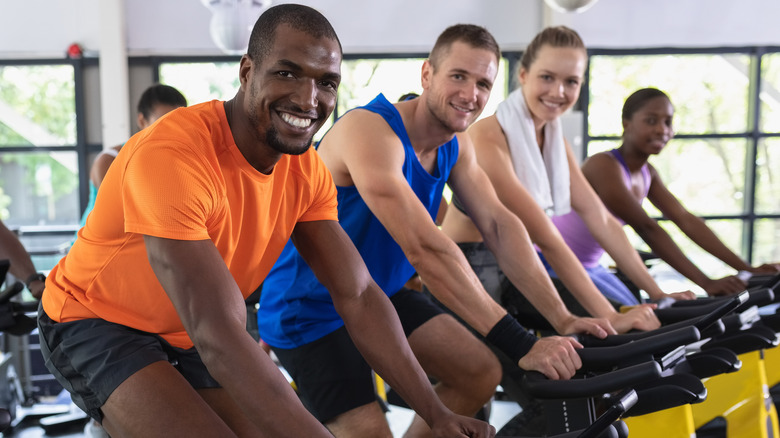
x=91, y=357
x=331, y=375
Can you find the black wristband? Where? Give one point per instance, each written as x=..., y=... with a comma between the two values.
x=33, y=277
x=511, y=338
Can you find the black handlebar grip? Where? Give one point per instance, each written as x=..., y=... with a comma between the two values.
x=539, y=386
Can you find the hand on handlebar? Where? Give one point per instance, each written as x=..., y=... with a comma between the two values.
x=681, y=296
x=460, y=426
x=766, y=268
x=598, y=327
x=640, y=317
x=554, y=356
x=724, y=286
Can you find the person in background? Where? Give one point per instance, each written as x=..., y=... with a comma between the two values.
x=623, y=178
x=22, y=266
x=155, y=102
x=144, y=320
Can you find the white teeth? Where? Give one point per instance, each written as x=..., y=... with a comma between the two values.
x=551, y=105
x=296, y=121
x=460, y=108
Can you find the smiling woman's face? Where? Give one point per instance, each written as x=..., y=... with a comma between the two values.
x=552, y=83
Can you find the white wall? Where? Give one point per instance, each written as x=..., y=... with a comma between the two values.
x=677, y=23
x=45, y=28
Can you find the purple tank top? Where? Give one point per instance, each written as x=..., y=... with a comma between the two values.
x=576, y=234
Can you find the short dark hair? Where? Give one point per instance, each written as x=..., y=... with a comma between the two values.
x=555, y=36
x=159, y=94
x=475, y=36
x=299, y=17
x=637, y=100
x=408, y=96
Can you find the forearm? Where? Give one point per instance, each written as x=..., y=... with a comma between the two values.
x=12, y=249
x=373, y=325
x=522, y=266
x=613, y=239
x=450, y=278
x=662, y=245
x=700, y=233
x=255, y=383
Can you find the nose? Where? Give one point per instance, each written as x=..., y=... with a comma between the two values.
x=558, y=89
x=665, y=130
x=469, y=92
x=305, y=95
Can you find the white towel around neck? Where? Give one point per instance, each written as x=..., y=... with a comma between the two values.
x=544, y=175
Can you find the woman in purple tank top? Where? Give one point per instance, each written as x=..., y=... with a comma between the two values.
x=647, y=127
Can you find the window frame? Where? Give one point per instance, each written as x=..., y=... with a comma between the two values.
x=753, y=134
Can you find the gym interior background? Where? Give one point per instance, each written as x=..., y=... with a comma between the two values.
x=718, y=60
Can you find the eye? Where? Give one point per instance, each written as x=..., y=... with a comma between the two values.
x=457, y=76
x=486, y=85
x=285, y=74
x=329, y=84
x=546, y=77
x=573, y=82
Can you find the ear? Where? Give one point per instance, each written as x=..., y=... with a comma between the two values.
x=141, y=121
x=245, y=70
x=522, y=75
x=426, y=74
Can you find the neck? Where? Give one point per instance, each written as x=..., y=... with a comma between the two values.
x=425, y=132
x=249, y=142
x=634, y=160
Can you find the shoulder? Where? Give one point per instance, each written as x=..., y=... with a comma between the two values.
x=601, y=160
x=360, y=120
x=355, y=129
x=487, y=130
x=653, y=173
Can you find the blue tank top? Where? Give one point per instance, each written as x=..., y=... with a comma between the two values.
x=295, y=308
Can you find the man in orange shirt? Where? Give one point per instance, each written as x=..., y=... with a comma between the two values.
x=144, y=320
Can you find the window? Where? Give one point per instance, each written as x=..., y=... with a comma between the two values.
x=364, y=78
x=39, y=165
x=202, y=81
x=722, y=163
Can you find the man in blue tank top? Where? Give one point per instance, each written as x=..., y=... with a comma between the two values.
x=390, y=163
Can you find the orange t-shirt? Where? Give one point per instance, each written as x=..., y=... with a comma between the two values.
x=183, y=178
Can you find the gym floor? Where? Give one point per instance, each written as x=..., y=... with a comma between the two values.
x=398, y=417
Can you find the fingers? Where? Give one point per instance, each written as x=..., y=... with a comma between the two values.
x=597, y=327
x=725, y=286
x=570, y=360
x=555, y=356
x=643, y=318
x=463, y=427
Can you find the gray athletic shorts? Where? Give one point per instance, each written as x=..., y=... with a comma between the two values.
x=90, y=358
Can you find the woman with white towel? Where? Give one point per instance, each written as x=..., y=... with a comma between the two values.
x=536, y=175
